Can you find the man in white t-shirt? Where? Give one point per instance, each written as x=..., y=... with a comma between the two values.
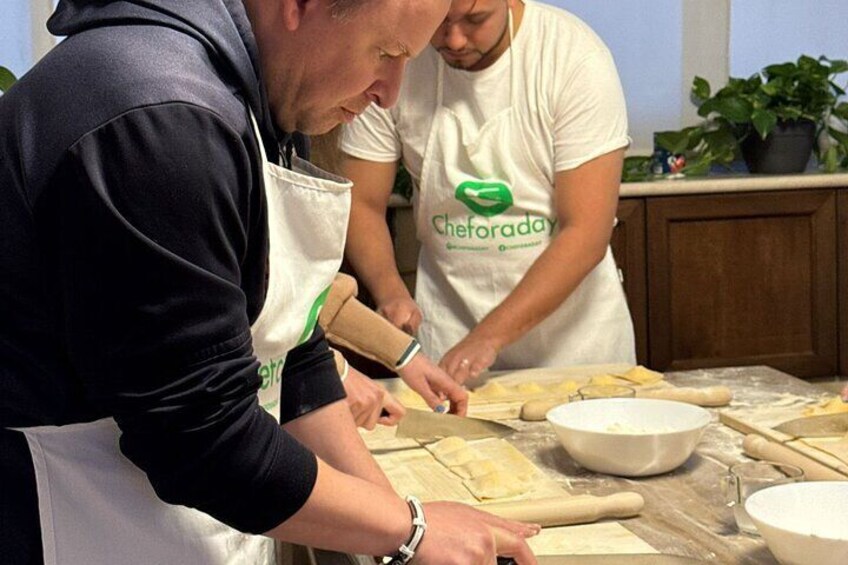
x=513, y=127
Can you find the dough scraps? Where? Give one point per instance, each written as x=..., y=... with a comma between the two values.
x=834, y=405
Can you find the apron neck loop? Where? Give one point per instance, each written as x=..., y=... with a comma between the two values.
x=285, y=150
x=258, y=136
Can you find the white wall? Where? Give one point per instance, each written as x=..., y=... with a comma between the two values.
x=763, y=32
x=659, y=46
x=15, y=36
x=649, y=64
x=24, y=39
x=658, y=42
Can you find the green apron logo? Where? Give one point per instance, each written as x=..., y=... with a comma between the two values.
x=312, y=318
x=485, y=198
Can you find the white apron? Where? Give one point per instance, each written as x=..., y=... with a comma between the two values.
x=95, y=506
x=484, y=214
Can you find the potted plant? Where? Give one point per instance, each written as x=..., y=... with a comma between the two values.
x=7, y=79
x=782, y=110
x=777, y=115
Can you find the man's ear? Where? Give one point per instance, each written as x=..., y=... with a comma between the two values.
x=295, y=10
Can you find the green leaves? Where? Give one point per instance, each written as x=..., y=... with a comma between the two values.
x=700, y=88
x=7, y=79
x=785, y=91
x=803, y=89
x=636, y=168
x=764, y=121
x=679, y=142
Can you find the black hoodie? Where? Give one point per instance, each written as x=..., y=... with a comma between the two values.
x=133, y=253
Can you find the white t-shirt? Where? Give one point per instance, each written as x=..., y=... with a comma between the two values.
x=568, y=85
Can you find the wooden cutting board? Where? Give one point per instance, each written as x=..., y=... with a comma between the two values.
x=762, y=417
x=417, y=472
x=413, y=470
x=588, y=539
x=510, y=408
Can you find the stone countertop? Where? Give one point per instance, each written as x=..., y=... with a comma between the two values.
x=685, y=513
x=729, y=183
x=713, y=184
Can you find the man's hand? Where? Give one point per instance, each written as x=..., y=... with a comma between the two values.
x=845, y=393
x=460, y=535
x=367, y=400
x=468, y=358
x=434, y=385
x=402, y=313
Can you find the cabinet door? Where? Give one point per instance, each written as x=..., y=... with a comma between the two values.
x=842, y=231
x=628, y=248
x=743, y=279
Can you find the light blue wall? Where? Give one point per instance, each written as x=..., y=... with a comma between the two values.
x=763, y=32
x=645, y=37
x=15, y=36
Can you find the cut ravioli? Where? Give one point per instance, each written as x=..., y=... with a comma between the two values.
x=642, y=376
x=453, y=451
x=605, y=380
x=446, y=445
x=474, y=469
x=498, y=484
x=529, y=389
x=565, y=388
x=461, y=456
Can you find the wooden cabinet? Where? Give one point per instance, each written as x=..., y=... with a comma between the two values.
x=842, y=267
x=743, y=279
x=754, y=278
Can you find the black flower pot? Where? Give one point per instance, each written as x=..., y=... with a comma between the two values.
x=786, y=149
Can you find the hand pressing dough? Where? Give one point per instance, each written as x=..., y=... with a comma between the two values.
x=833, y=406
x=497, y=484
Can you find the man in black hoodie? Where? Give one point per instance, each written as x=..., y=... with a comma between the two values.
x=134, y=252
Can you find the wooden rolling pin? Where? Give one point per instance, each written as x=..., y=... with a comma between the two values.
x=759, y=447
x=535, y=410
x=566, y=510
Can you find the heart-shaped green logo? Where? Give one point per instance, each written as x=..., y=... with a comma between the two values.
x=486, y=198
x=312, y=317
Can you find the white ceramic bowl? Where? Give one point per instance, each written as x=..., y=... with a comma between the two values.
x=803, y=523
x=631, y=437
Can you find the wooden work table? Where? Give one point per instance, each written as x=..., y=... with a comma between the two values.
x=685, y=512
